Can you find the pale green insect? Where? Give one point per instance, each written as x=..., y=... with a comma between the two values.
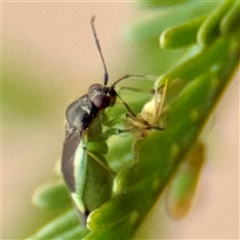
x=148, y=119
x=141, y=125
x=183, y=186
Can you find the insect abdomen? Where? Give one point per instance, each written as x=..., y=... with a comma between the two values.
x=93, y=182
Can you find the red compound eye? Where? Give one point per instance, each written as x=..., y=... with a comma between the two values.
x=102, y=97
x=101, y=101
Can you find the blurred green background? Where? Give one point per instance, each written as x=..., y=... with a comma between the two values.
x=49, y=58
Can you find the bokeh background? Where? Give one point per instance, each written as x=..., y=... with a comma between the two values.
x=49, y=58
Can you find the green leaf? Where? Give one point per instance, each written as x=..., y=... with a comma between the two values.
x=209, y=30
x=151, y=24
x=230, y=21
x=154, y=3
x=52, y=195
x=181, y=35
x=62, y=228
x=182, y=188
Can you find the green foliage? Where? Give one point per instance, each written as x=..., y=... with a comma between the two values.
x=63, y=227
x=154, y=3
x=46, y=195
x=182, y=188
x=210, y=34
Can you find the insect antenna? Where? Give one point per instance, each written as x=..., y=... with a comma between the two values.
x=148, y=77
x=105, y=81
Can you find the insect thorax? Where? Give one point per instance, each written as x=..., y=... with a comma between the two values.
x=80, y=113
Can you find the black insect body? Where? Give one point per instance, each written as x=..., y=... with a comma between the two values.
x=79, y=115
x=81, y=112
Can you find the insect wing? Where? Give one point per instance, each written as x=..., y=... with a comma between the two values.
x=68, y=156
x=90, y=183
x=93, y=181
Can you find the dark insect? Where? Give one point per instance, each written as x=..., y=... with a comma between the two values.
x=84, y=167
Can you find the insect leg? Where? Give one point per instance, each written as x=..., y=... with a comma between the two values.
x=127, y=106
x=158, y=106
x=99, y=161
x=148, y=118
x=151, y=91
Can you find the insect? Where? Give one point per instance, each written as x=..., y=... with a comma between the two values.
x=182, y=188
x=84, y=167
x=141, y=124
